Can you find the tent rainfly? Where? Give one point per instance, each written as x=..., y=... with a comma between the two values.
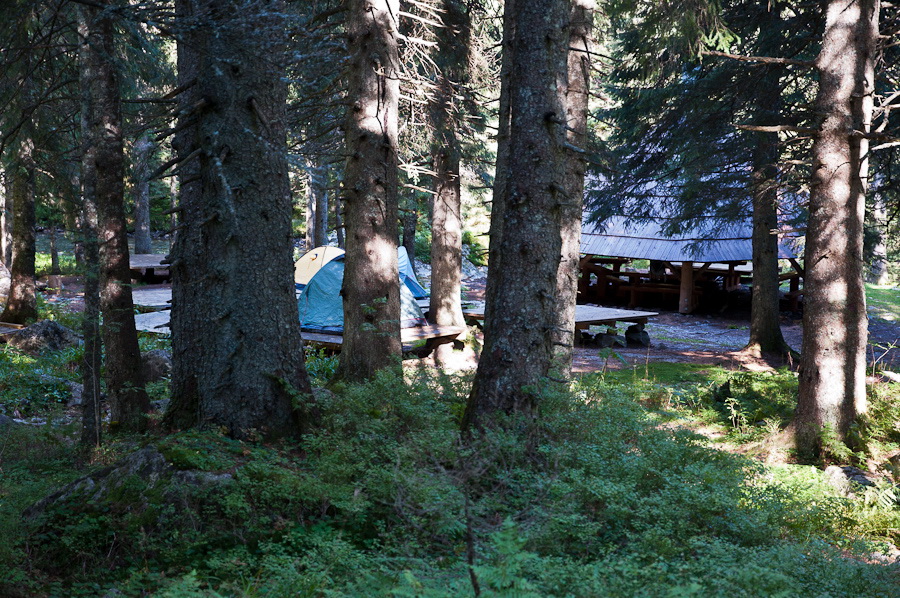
x=321, y=305
x=312, y=261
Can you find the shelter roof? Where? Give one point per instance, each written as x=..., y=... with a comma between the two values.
x=619, y=236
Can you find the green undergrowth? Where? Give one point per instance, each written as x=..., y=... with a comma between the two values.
x=589, y=498
x=36, y=386
x=883, y=302
x=746, y=405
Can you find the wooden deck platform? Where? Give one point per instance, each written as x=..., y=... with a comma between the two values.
x=585, y=315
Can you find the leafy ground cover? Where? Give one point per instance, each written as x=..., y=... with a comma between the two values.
x=598, y=496
x=610, y=491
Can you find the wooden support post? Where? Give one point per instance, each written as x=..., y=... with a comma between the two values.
x=686, y=296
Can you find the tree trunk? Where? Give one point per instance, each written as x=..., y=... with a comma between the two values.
x=128, y=401
x=21, y=306
x=410, y=221
x=518, y=347
x=501, y=167
x=878, y=270
x=371, y=288
x=339, y=223
x=317, y=205
x=310, y=239
x=6, y=219
x=454, y=42
x=143, y=153
x=765, y=315
x=578, y=75
x=91, y=414
x=237, y=355
x=173, y=204
x=832, y=389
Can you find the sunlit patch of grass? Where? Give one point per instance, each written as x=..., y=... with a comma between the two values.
x=883, y=302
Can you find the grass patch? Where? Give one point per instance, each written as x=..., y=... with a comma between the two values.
x=883, y=302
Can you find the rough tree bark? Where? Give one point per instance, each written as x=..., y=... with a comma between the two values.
x=832, y=389
x=21, y=306
x=765, y=316
x=128, y=401
x=518, y=347
x=578, y=73
x=454, y=43
x=91, y=414
x=371, y=288
x=143, y=153
x=237, y=356
x=501, y=165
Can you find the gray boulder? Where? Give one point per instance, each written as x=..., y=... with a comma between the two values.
x=636, y=336
x=45, y=335
x=156, y=365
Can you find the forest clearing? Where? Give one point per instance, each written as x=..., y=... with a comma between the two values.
x=444, y=298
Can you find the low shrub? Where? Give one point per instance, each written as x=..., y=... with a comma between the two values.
x=588, y=498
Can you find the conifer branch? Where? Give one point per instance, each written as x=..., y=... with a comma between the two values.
x=763, y=59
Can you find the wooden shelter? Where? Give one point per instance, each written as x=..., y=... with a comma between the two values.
x=684, y=264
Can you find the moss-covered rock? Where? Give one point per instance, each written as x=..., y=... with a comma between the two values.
x=135, y=509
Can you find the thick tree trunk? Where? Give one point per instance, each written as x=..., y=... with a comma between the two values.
x=237, y=356
x=21, y=306
x=765, y=316
x=578, y=75
x=128, y=401
x=143, y=153
x=832, y=389
x=454, y=42
x=518, y=347
x=371, y=288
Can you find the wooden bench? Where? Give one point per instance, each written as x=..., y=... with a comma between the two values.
x=158, y=322
x=432, y=335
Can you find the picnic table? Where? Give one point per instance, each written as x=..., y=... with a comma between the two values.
x=148, y=265
x=585, y=315
x=152, y=298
